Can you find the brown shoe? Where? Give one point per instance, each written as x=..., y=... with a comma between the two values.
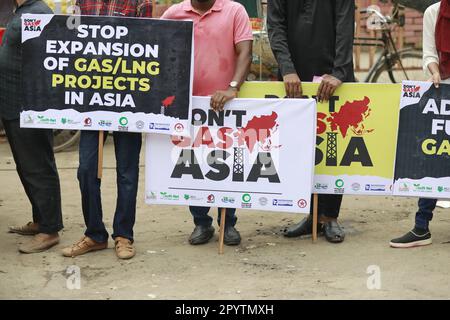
x=39, y=243
x=124, y=248
x=30, y=229
x=84, y=245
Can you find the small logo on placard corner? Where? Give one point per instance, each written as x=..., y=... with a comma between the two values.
x=443, y=189
x=151, y=195
x=263, y=201
x=32, y=25
x=321, y=186
x=228, y=200
x=411, y=91
x=282, y=203
x=179, y=127
x=28, y=119
x=404, y=187
x=87, y=122
x=123, y=121
x=105, y=123
x=140, y=124
x=211, y=198
x=302, y=203
x=339, y=183
x=246, y=198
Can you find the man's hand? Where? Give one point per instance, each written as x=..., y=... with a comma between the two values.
x=327, y=87
x=293, y=85
x=221, y=97
x=436, y=79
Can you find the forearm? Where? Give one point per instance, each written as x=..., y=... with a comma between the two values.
x=345, y=17
x=243, y=62
x=278, y=37
x=430, y=55
x=433, y=67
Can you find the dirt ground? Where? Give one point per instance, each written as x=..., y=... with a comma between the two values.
x=265, y=266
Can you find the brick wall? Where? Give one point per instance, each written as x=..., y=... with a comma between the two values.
x=412, y=33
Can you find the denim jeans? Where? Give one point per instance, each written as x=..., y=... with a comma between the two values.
x=201, y=217
x=127, y=148
x=425, y=213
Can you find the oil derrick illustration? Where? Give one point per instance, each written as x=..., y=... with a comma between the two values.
x=238, y=164
x=331, y=149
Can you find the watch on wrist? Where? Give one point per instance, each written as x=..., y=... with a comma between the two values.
x=234, y=85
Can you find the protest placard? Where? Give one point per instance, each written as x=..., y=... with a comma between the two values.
x=107, y=73
x=356, y=135
x=256, y=154
x=423, y=148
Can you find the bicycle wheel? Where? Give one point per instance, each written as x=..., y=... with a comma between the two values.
x=64, y=139
x=412, y=64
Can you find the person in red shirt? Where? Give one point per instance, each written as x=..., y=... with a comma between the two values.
x=127, y=148
x=222, y=58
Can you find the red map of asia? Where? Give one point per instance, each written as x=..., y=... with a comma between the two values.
x=258, y=130
x=351, y=116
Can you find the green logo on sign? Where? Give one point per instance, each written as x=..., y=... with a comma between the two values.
x=246, y=198
x=123, y=121
x=339, y=183
x=440, y=189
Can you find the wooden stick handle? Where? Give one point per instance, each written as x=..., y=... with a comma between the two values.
x=315, y=216
x=100, y=155
x=223, y=213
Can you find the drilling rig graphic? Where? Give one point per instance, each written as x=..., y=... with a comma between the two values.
x=331, y=149
x=238, y=164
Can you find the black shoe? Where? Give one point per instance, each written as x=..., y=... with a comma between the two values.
x=333, y=231
x=201, y=235
x=231, y=237
x=414, y=238
x=302, y=228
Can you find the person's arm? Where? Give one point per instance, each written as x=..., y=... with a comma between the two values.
x=278, y=38
x=144, y=9
x=243, y=62
x=430, y=55
x=343, y=61
x=243, y=41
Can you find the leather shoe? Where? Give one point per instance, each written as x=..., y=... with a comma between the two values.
x=201, y=235
x=39, y=243
x=124, y=248
x=231, y=236
x=334, y=232
x=30, y=229
x=84, y=245
x=302, y=228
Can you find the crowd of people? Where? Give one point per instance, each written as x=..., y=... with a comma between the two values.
x=310, y=39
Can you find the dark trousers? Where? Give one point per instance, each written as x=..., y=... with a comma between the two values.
x=425, y=213
x=32, y=150
x=127, y=148
x=201, y=217
x=328, y=205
